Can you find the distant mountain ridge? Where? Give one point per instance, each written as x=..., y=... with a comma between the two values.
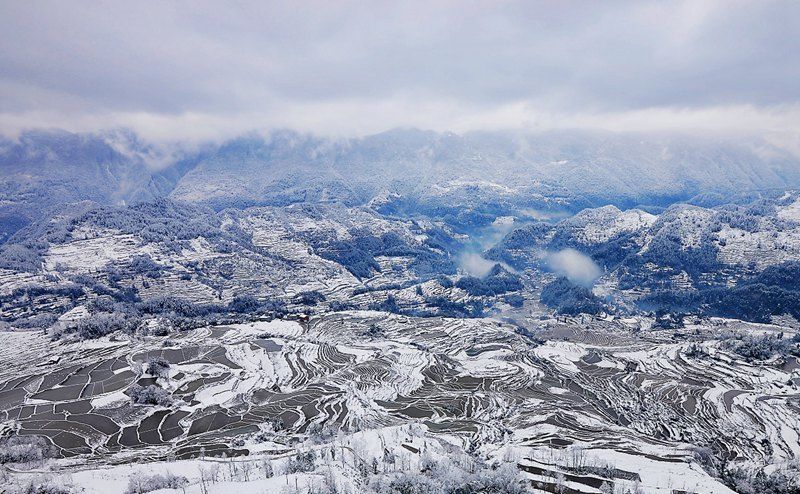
x=404, y=170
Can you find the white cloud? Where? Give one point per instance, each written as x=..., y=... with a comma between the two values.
x=475, y=265
x=578, y=267
x=780, y=125
x=204, y=70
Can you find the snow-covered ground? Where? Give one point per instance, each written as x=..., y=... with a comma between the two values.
x=634, y=411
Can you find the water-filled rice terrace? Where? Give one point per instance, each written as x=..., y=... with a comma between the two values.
x=477, y=380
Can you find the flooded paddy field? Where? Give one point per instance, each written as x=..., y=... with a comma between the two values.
x=229, y=391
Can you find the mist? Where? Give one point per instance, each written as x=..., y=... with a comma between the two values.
x=577, y=267
x=474, y=264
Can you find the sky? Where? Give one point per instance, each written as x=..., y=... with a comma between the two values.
x=206, y=70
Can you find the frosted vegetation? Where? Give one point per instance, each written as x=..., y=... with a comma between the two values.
x=233, y=323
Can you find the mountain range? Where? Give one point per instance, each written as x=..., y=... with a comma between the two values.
x=475, y=175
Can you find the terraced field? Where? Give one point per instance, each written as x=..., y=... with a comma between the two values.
x=478, y=383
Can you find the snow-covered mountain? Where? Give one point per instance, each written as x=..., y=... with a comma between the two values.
x=494, y=167
x=408, y=170
x=685, y=251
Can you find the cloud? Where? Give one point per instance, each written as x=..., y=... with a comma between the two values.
x=780, y=125
x=475, y=265
x=578, y=267
x=204, y=70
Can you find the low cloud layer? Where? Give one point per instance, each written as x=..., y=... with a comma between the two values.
x=578, y=267
x=205, y=70
x=475, y=265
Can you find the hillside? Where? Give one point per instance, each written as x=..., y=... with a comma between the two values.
x=406, y=171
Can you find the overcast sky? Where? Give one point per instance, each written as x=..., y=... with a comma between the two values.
x=197, y=69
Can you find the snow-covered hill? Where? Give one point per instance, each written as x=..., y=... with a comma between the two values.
x=408, y=170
